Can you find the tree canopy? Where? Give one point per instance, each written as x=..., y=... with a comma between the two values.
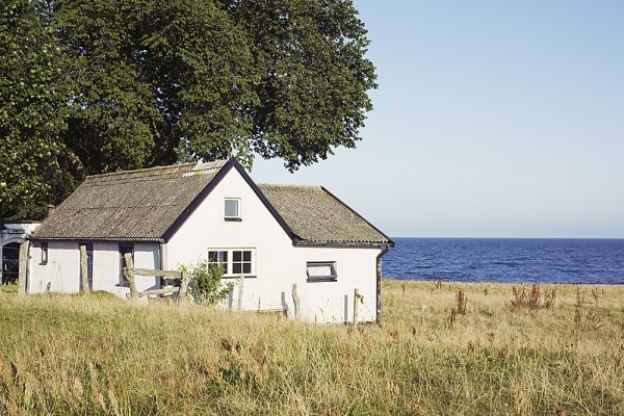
x=92, y=86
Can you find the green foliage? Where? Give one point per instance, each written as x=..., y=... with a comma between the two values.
x=92, y=86
x=206, y=282
x=35, y=165
x=311, y=76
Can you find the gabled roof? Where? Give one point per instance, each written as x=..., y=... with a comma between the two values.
x=318, y=218
x=131, y=205
x=151, y=204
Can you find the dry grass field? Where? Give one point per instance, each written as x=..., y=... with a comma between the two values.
x=548, y=354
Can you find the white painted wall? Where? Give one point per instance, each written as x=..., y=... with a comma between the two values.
x=61, y=273
x=279, y=265
x=107, y=268
x=63, y=269
x=146, y=256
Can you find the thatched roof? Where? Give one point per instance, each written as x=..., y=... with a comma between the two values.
x=131, y=205
x=317, y=217
x=149, y=205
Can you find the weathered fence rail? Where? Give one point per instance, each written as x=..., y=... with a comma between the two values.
x=157, y=273
x=170, y=277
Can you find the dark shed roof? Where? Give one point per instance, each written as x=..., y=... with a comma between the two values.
x=150, y=204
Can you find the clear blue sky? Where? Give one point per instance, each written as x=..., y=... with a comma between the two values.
x=490, y=120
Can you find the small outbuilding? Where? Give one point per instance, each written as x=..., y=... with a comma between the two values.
x=273, y=236
x=12, y=234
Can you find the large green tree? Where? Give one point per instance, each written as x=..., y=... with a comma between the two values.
x=35, y=166
x=311, y=76
x=150, y=82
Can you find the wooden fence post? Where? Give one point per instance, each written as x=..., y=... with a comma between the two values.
x=84, y=269
x=184, y=284
x=356, y=299
x=23, y=267
x=231, y=298
x=284, y=305
x=241, y=281
x=129, y=273
x=296, y=300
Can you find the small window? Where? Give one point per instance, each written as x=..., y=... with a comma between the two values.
x=218, y=259
x=124, y=248
x=232, y=209
x=44, y=253
x=322, y=271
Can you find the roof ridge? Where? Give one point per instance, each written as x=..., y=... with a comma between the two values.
x=142, y=170
x=281, y=185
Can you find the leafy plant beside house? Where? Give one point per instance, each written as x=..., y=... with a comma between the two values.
x=206, y=283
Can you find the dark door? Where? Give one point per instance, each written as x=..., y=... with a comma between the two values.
x=10, y=263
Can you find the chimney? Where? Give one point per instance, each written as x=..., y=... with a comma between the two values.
x=51, y=208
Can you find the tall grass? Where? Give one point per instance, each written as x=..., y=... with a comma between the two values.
x=98, y=355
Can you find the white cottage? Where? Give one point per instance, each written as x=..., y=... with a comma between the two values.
x=273, y=235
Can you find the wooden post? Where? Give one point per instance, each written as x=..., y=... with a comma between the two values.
x=129, y=273
x=184, y=283
x=241, y=280
x=379, y=276
x=284, y=304
x=231, y=298
x=84, y=269
x=23, y=267
x=296, y=300
x=357, y=298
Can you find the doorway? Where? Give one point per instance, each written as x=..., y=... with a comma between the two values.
x=10, y=263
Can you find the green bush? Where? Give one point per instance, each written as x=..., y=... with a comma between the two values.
x=206, y=284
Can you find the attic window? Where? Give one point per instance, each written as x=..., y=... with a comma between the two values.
x=232, y=209
x=322, y=271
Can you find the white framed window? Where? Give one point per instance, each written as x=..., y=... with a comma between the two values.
x=234, y=262
x=322, y=271
x=218, y=259
x=232, y=209
x=241, y=262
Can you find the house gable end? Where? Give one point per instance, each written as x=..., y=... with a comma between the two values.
x=201, y=196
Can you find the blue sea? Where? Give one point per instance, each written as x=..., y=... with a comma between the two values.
x=507, y=260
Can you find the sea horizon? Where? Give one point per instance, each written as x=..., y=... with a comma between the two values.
x=507, y=259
